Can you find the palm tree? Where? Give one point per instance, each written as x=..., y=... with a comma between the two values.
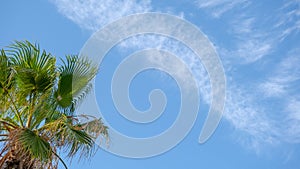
x=37, y=106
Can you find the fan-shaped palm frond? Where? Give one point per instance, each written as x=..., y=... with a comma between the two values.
x=37, y=104
x=35, y=68
x=75, y=76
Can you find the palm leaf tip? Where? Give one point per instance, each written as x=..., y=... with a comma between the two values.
x=82, y=136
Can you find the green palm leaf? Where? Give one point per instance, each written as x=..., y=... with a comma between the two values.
x=35, y=69
x=74, y=79
x=5, y=80
x=37, y=107
x=33, y=144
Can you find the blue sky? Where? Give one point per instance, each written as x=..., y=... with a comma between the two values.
x=257, y=42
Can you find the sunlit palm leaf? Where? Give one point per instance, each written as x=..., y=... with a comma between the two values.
x=35, y=69
x=74, y=138
x=75, y=75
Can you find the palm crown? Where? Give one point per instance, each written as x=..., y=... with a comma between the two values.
x=37, y=104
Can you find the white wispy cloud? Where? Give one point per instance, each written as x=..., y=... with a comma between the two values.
x=273, y=88
x=283, y=80
x=192, y=61
x=252, y=49
x=253, y=35
x=94, y=14
x=218, y=7
x=259, y=124
x=286, y=79
x=289, y=18
x=252, y=113
x=251, y=121
x=292, y=132
x=250, y=110
x=252, y=40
